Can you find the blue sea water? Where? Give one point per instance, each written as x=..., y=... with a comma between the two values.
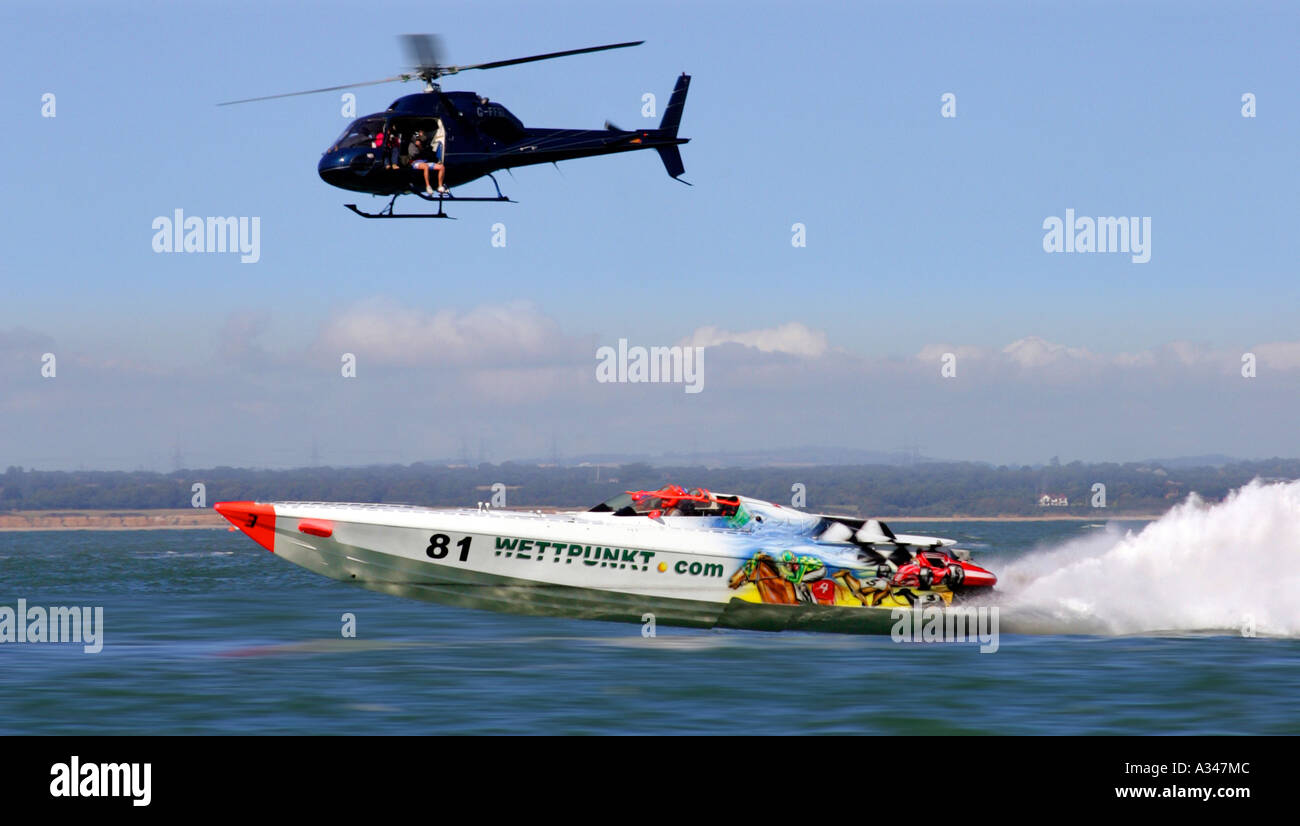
x=206, y=633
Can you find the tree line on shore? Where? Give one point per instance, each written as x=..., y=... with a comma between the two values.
x=927, y=488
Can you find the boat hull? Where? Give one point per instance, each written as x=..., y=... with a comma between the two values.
x=530, y=565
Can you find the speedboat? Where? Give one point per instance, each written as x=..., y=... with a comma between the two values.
x=670, y=556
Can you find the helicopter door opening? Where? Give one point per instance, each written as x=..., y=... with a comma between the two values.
x=401, y=140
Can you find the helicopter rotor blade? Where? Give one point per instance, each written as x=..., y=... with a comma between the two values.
x=451, y=70
x=317, y=91
x=425, y=50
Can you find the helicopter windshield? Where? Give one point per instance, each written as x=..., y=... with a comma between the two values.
x=359, y=133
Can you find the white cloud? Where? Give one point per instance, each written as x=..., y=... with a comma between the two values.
x=1188, y=354
x=1145, y=358
x=792, y=338
x=1279, y=355
x=1033, y=351
x=388, y=333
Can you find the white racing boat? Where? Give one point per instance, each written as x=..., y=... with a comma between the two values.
x=691, y=558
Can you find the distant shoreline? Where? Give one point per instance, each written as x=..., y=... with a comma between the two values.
x=116, y=519
x=143, y=519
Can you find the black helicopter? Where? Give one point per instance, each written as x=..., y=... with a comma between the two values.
x=481, y=136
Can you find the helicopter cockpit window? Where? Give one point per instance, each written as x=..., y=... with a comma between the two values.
x=360, y=133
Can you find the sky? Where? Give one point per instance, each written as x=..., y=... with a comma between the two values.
x=925, y=240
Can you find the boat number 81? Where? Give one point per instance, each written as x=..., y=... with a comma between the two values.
x=440, y=543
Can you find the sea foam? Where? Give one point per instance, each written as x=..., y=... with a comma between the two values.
x=1226, y=567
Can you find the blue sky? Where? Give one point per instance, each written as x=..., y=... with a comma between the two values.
x=923, y=231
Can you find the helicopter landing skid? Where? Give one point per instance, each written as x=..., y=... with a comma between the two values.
x=387, y=212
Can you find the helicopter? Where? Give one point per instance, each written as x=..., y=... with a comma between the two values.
x=374, y=153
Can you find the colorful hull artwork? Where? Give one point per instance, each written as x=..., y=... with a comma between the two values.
x=714, y=560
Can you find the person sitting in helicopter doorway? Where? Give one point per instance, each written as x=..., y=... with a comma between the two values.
x=420, y=159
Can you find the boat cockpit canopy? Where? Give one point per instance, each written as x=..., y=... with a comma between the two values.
x=671, y=500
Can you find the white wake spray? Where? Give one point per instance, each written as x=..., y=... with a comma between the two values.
x=1223, y=567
